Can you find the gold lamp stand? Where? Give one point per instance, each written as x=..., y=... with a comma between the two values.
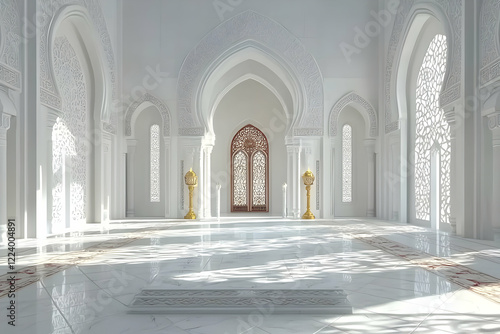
x=191, y=181
x=308, y=178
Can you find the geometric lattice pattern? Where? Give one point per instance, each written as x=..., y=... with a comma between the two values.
x=154, y=163
x=259, y=179
x=70, y=145
x=240, y=172
x=432, y=130
x=347, y=163
x=243, y=301
x=249, y=170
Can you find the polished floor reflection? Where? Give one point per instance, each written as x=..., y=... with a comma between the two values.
x=399, y=278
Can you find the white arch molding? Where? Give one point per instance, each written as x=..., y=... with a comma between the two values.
x=140, y=104
x=360, y=104
x=96, y=37
x=449, y=13
x=10, y=37
x=489, y=42
x=244, y=30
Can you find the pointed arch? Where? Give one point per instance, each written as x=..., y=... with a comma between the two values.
x=362, y=105
x=260, y=31
x=249, y=170
x=96, y=30
x=450, y=17
x=147, y=100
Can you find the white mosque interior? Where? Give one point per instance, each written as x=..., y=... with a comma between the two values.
x=249, y=166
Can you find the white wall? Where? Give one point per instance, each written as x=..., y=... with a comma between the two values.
x=358, y=206
x=249, y=101
x=162, y=33
x=143, y=206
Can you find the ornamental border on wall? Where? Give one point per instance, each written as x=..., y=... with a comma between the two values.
x=489, y=42
x=452, y=86
x=250, y=25
x=48, y=8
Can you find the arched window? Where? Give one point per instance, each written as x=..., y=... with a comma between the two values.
x=154, y=163
x=347, y=163
x=249, y=171
x=432, y=135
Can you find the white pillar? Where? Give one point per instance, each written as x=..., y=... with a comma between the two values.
x=294, y=178
x=451, y=118
x=4, y=126
x=207, y=193
x=283, y=214
x=51, y=121
x=167, y=173
x=494, y=125
x=218, y=187
x=370, y=181
x=131, y=145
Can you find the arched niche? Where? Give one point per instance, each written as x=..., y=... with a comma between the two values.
x=96, y=38
x=363, y=106
x=137, y=106
x=241, y=31
x=141, y=115
x=404, y=33
x=74, y=22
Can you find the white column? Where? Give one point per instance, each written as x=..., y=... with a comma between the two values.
x=218, y=187
x=494, y=125
x=207, y=193
x=283, y=214
x=131, y=145
x=294, y=178
x=167, y=173
x=451, y=118
x=199, y=192
x=370, y=181
x=51, y=121
x=4, y=126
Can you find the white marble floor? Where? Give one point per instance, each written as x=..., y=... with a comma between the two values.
x=399, y=278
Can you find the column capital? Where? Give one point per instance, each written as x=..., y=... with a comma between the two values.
x=4, y=126
x=450, y=116
x=52, y=116
x=293, y=148
x=5, y=122
x=494, y=121
x=208, y=149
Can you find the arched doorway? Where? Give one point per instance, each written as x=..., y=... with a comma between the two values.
x=249, y=171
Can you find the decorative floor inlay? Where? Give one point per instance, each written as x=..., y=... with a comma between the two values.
x=478, y=282
x=239, y=301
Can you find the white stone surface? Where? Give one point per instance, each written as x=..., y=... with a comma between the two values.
x=387, y=293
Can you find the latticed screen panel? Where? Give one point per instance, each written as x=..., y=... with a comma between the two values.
x=69, y=139
x=240, y=172
x=347, y=163
x=154, y=163
x=250, y=170
x=432, y=129
x=259, y=181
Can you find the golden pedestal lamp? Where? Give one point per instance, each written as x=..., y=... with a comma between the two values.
x=308, y=178
x=191, y=181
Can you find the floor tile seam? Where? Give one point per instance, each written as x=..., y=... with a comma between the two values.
x=64, y=266
x=475, y=286
x=58, y=309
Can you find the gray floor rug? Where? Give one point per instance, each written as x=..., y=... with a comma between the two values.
x=241, y=301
